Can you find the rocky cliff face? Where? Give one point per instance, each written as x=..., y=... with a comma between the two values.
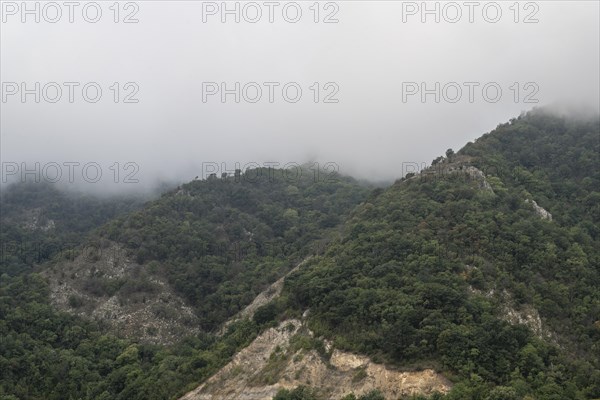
x=459, y=166
x=289, y=356
x=540, y=211
x=103, y=284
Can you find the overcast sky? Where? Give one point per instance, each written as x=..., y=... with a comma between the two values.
x=374, y=61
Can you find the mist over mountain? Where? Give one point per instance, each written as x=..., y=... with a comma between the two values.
x=373, y=58
x=326, y=200
x=478, y=274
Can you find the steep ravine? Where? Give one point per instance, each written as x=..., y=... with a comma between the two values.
x=263, y=298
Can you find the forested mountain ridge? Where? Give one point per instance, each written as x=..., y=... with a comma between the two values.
x=458, y=269
x=220, y=241
x=215, y=242
x=438, y=270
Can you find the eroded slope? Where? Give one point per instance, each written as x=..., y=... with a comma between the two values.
x=289, y=356
x=104, y=284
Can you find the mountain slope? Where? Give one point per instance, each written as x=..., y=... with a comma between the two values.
x=218, y=242
x=437, y=270
x=483, y=268
x=296, y=358
x=41, y=221
x=208, y=247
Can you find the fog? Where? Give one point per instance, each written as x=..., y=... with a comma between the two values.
x=369, y=86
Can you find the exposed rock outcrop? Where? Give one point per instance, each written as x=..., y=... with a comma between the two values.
x=479, y=177
x=35, y=220
x=266, y=296
x=274, y=361
x=524, y=314
x=540, y=211
x=458, y=167
x=103, y=284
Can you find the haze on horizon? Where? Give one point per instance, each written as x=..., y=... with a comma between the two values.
x=361, y=108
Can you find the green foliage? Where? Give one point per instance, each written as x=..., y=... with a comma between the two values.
x=75, y=301
x=219, y=242
x=374, y=395
x=45, y=354
x=425, y=269
x=299, y=393
x=39, y=222
x=303, y=341
x=266, y=313
x=304, y=393
x=421, y=276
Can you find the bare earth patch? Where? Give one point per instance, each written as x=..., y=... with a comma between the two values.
x=271, y=363
x=105, y=285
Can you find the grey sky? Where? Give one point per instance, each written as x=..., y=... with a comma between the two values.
x=371, y=55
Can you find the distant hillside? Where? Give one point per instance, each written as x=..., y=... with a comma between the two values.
x=220, y=241
x=175, y=269
x=40, y=221
x=199, y=254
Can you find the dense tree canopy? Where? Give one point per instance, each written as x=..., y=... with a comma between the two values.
x=427, y=272
x=221, y=241
x=41, y=221
x=217, y=241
